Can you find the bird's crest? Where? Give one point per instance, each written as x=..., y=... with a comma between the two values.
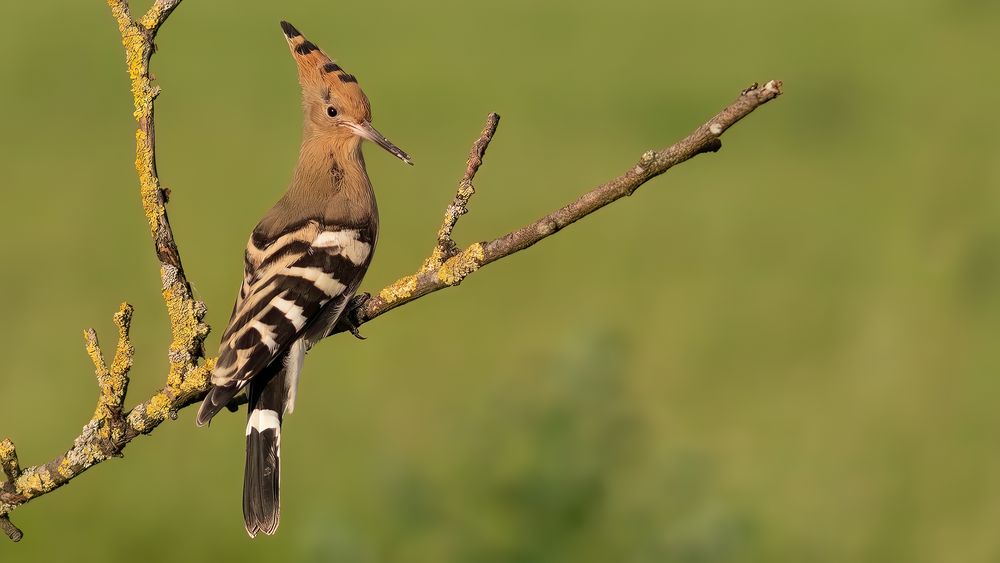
x=321, y=78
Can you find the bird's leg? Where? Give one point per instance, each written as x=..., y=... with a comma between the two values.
x=348, y=321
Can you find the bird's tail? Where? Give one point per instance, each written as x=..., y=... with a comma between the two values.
x=262, y=475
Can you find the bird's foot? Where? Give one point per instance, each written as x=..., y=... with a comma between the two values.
x=349, y=321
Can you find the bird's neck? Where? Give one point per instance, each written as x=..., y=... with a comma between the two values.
x=331, y=181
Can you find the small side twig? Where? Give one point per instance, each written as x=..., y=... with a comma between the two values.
x=446, y=247
x=157, y=14
x=8, y=461
x=10, y=530
x=113, y=381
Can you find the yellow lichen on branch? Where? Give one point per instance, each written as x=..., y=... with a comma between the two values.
x=8, y=459
x=158, y=407
x=152, y=17
x=186, y=327
x=197, y=380
x=433, y=261
x=94, y=351
x=113, y=382
x=124, y=351
x=455, y=269
x=148, y=184
x=400, y=289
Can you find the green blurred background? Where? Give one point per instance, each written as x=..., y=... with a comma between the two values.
x=783, y=352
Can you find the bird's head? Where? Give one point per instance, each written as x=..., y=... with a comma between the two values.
x=335, y=107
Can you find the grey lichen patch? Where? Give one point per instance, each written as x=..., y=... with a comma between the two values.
x=457, y=268
x=86, y=450
x=451, y=215
x=402, y=288
x=168, y=275
x=146, y=416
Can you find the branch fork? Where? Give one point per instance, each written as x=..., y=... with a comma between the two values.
x=112, y=381
x=446, y=247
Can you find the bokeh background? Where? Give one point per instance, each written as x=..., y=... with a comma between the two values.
x=783, y=352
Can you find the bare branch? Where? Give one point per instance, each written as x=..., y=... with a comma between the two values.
x=187, y=381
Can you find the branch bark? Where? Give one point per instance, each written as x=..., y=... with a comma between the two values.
x=187, y=379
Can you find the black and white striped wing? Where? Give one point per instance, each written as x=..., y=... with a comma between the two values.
x=289, y=282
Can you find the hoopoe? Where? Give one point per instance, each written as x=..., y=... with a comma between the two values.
x=303, y=264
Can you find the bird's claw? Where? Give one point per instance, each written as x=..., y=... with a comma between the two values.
x=356, y=333
x=349, y=319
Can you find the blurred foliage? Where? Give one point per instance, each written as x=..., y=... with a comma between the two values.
x=782, y=352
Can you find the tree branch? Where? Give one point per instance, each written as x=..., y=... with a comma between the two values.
x=109, y=430
x=456, y=265
x=187, y=380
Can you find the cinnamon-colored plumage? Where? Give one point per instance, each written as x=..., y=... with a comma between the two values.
x=304, y=262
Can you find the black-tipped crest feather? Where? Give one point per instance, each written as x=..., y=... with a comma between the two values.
x=289, y=30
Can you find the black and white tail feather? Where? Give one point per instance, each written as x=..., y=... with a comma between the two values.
x=262, y=475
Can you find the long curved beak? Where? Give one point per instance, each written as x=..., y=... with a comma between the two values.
x=366, y=131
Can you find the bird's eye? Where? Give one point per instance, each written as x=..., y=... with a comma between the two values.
x=331, y=111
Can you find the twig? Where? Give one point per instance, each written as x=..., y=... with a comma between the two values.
x=12, y=470
x=10, y=530
x=446, y=247
x=110, y=430
x=157, y=14
x=8, y=461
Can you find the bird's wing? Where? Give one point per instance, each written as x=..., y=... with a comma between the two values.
x=288, y=281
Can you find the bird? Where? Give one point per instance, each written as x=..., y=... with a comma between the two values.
x=303, y=264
